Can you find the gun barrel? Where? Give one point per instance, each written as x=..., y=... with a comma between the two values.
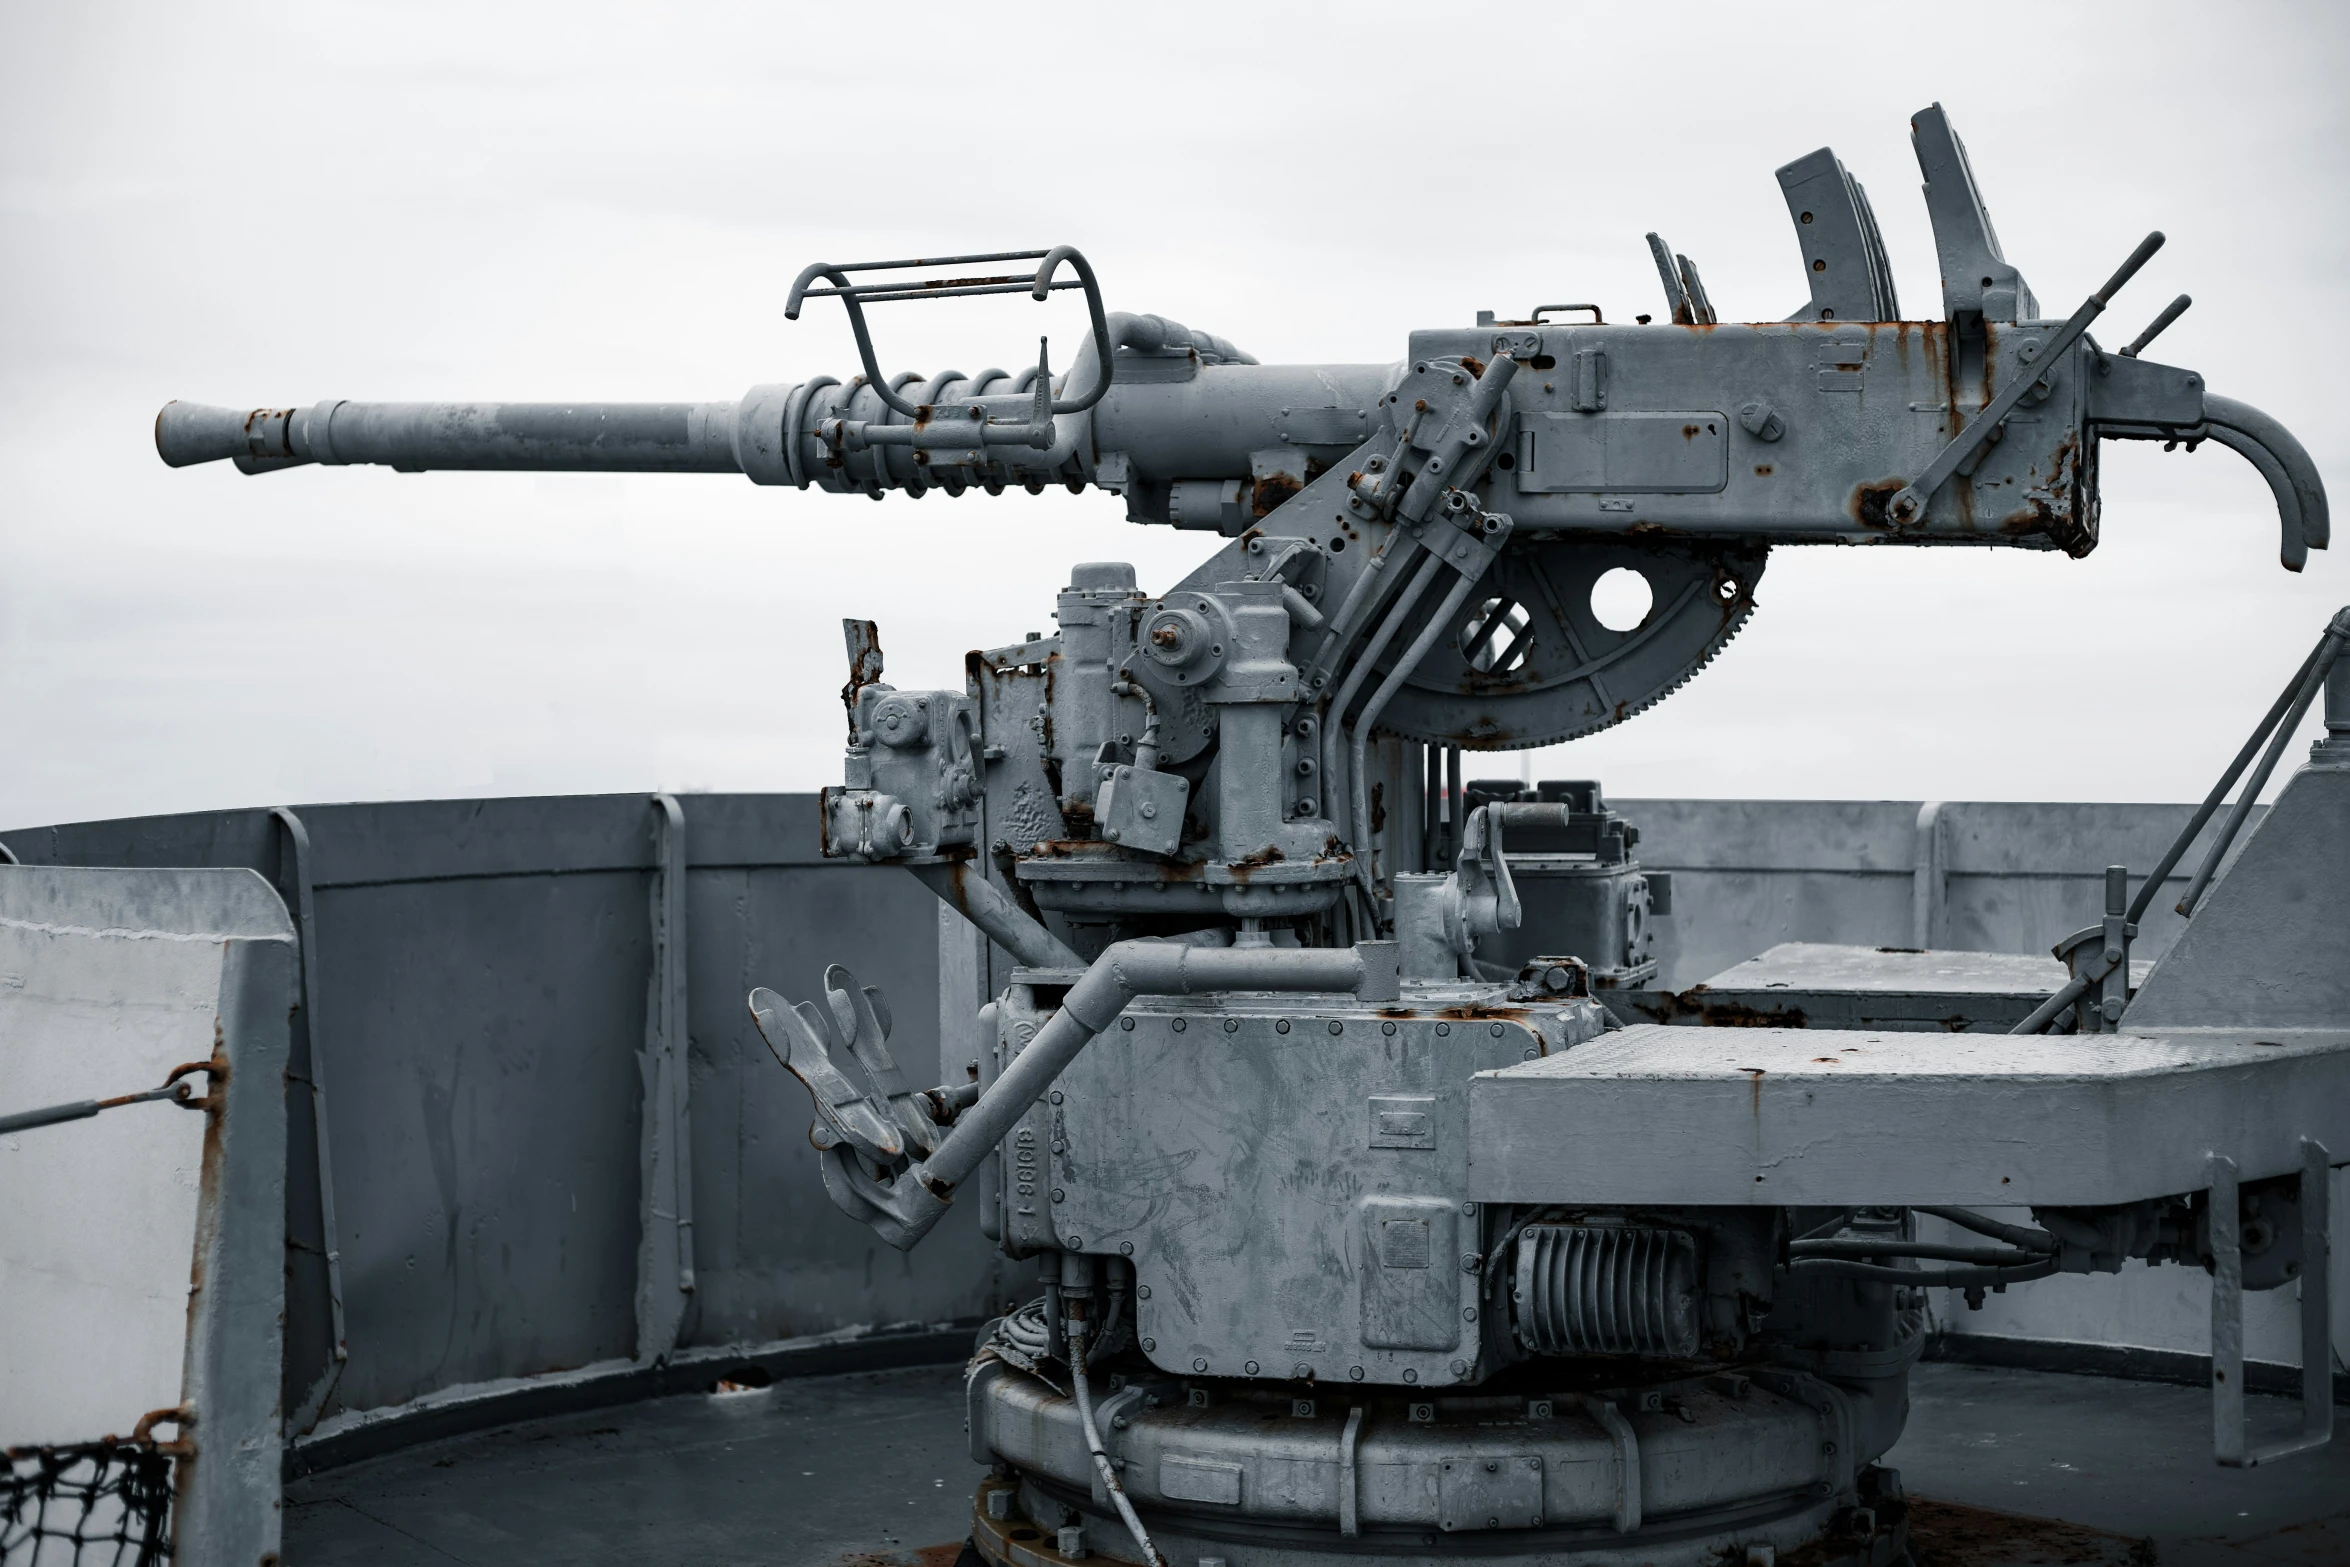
x=592, y=437
x=1173, y=417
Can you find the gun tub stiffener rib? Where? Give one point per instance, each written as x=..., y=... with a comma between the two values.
x=1356, y=1235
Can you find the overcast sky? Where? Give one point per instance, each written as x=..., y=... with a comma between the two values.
x=576, y=201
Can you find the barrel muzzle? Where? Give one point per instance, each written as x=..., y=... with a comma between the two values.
x=257, y=441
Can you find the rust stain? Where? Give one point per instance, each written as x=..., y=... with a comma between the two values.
x=1244, y=868
x=1950, y=1534
x=921, y=1556
x=1737, y=1014
x=1868, y=503
x=1271, y=491
x=865, y=664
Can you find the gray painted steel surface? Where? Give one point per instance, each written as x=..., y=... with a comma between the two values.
x=103, y=963
x=487, y=965
x=1820, y=985
x=1988, y=875
x=1831, y=1118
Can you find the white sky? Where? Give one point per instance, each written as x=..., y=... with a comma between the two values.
x=416, y=201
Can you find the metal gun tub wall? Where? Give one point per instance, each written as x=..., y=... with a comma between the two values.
x=1315, y=1178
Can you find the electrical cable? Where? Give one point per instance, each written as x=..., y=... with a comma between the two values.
x=1101, y=1457
x=1861, y=1249
x=1945, y=1278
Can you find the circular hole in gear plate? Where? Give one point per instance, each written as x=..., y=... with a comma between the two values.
x=1621, y=599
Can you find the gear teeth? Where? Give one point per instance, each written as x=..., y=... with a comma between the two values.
x=1748, y=569
x=1688, y=674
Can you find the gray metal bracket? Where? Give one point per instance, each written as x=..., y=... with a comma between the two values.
x=2230, y=1438
x=1626, y=1442
x=330, y=1235
x=665, y=1247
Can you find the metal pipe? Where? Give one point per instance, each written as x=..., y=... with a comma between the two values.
x=2292, y=536
x=2045, y=1013
x=2018, y=1235
x=2219, y=792
x=1336, y=787
x=1144, y=968
x=1361, y=601
x=965, y=887
x=2321, y=665
x=1437, y=625
x=83, y=1109
x=2307, y=488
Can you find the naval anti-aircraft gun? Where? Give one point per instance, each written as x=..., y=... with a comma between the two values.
x=1355, y=1241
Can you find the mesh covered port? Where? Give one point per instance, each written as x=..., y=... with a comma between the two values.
x=1587, y=1289
x=91, y=1504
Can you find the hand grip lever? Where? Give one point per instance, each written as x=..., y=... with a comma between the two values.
x=1910, y=504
